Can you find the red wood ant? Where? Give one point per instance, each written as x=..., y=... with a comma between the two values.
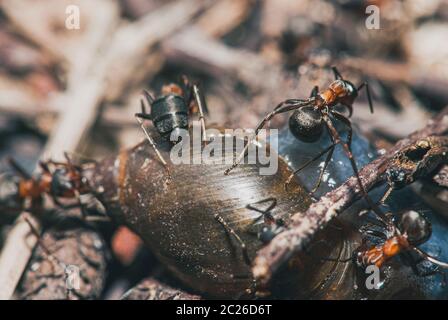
x=171, y=111
x=312, y=115
x=57, y=180
x=413, y=230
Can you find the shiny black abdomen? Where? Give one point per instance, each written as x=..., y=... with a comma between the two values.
x=168, y=113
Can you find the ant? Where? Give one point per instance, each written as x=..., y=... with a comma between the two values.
x=64, y=181
x=312, y=115
x=271, y=228
x=415, y=162
x=413, y=230
x=170, y=112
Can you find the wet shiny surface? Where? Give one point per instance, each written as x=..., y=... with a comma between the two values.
x=398, y=280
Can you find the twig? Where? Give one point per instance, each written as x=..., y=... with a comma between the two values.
x=305, y=225
x=196, y=47
x=80, y=259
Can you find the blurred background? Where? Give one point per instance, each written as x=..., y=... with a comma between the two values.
x=77, y=90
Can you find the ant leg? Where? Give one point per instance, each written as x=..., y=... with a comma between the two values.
x=18, y=168
x=285, y=106
x=369, y=97
x=149, y=98
x=138, y=117
x=306, y=164
x=314, y=92
x=431, y=259
x=347, y=123
x=350, y=109
x=386, y=195
x=348, y=152
x=322, y=171
x=70, y=155
x=337, y=74
x=427, y=273
x=237, y=237
x=372, y=233
x=266, y=213
x=81, y=205
x=64, y=206
x=271, y=206
x=199, y=101
x=44, y=166
x=53, y=260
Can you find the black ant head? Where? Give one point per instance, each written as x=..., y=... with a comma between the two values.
x=416, y=227
x=306, y=124
x=269, y=232
x=61, y=182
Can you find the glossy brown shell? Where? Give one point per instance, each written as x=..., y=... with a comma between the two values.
x=177, y=221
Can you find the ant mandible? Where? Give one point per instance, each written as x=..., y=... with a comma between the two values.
x=171, y=111
x=313, y=114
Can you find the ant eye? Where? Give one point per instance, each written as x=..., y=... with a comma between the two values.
x=416, y=226
x=306, y=124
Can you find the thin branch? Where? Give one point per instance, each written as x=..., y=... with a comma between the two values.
x=304, y=226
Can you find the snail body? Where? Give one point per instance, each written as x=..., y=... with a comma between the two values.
x=178, y=221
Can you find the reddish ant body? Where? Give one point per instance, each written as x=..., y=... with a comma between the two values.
x=57, y=180
x=312, y=115
x=413, y=230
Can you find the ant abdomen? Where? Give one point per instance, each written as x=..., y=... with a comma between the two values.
x=169, y=113
x=306, y=124
x=416, y=226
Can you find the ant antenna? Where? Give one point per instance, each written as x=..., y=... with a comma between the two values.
x=369, y=97
x=336, y=73
x=271, y=206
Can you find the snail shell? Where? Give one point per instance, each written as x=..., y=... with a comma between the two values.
x=177, y=221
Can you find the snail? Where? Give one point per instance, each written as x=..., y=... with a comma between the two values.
x=193, y=223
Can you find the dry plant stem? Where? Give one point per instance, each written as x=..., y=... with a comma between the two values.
x=75, y=248
x=304, y=226
x=152, y=289
x=83, y=98
x=398, y=72
x=196, y=47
